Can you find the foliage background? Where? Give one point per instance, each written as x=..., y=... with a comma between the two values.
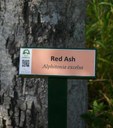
x=99, y=35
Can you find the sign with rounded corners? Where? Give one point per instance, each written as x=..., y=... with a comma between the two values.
x=58, y=62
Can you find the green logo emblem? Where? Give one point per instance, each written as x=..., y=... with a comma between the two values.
x=26, y=52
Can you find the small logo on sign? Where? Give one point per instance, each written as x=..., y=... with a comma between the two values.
x=26, y=52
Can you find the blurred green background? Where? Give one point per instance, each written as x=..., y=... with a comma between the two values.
x=99, y=35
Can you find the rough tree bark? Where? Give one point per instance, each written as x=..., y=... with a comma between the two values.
x=37, y=23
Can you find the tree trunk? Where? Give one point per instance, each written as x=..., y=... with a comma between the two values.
x=37, y=23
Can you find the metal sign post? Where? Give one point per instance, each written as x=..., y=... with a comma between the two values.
x=57, y=102
x=57, y=65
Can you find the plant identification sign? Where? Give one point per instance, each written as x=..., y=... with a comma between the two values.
x=57, y=62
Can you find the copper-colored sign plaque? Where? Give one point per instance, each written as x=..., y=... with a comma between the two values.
x=57, y=62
